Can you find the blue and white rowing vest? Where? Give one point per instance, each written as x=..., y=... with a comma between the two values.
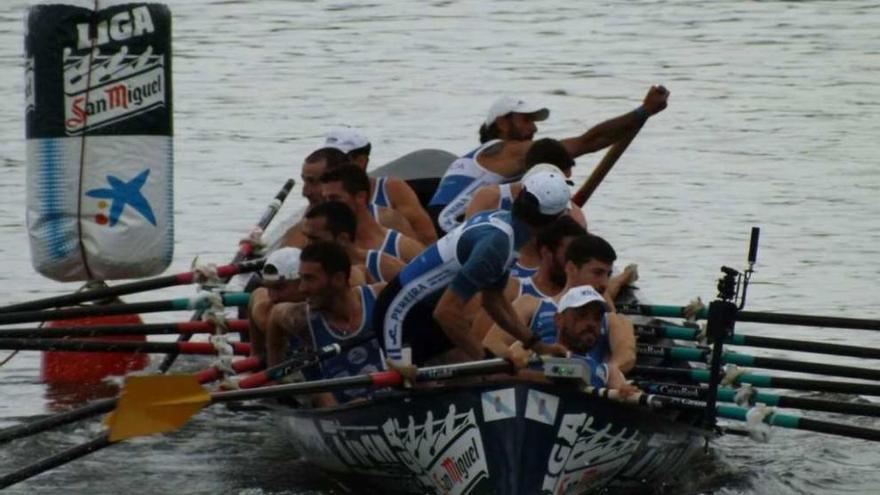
x=521, y=271
x=433, y=270
x=373, y=264
x=358, y=360
x=505, y=197
x=544, y=326
x=380, y=195
x=598, y=370
x=463, y=177
x=390, y=245
x=527, y=286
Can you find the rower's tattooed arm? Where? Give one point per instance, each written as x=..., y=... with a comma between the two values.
x=285, y=320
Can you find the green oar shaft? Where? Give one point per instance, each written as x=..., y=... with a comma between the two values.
x=189, y=327
x=728, y=394
x=758, y=380
x=180, y=304
x=739, y=414
x=662, y=311
x=103, y=293
x=702, y=355
x=687, y=333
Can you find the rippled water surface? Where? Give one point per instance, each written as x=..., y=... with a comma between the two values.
x=772, y=122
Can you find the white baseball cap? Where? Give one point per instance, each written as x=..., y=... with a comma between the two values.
x=509, y=104
x=345, y=139
x=547, y=183
x=580, y=296
x=282, y=265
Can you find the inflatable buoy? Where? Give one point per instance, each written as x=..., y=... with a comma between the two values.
x=91, y=367
x=99, y=140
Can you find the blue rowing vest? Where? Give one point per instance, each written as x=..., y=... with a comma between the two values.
x=433, y=270
x=520, y=271
x=380, y=195
x=461, y=180
x=544, y=326
x=598, y=370
x=358, y=360
x=505, y=197
x=526, y=286
x=374, y=265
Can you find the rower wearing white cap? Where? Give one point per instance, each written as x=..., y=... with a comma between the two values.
x=500, y=196
x=588, y=261
x=280, y=284
x=385, y=192
x=423, y=308
x=507, y=134
x=335, y=313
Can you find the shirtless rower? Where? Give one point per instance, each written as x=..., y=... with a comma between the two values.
x=334, y=313
x=509, y=128
x=333, y=221
x=423, y=308
x=588, y=261
x=280, y=284
x=313, y=167
x=499, y=196
x=387, y=192
x=349, y=184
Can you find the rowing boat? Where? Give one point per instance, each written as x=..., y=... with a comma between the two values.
x=499, y=436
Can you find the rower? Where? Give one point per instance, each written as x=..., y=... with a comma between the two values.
x=280, y=284
x=588, y=261
x=498, y=196
x=313, y=167
x=549, y=279
x=334, y=314
x=507, y=134
x=349, y=184
x=580, y=320
x=387, y=192
x=333, y=221
x=423, y=308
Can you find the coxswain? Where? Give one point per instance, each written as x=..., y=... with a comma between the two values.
x=423, y=308
x=313, y=167
x=589, y=261
x=506, y=135
x=349, y=184
x=334, y=313
x=333, y=221
x=280, y=284
x=387, y=192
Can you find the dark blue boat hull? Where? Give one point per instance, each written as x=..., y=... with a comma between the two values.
x=494, y=438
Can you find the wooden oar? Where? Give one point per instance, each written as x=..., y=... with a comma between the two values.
x=245, y=250
x=179, y=304
x=728, y=394
x=756, y=317
x=759, y=380
x=188, y=327
x=603, y=167
x=702, y=355
x=102, y=293
x=688, y=333
x=106, y=405
x=739, y=413
x=64, y=345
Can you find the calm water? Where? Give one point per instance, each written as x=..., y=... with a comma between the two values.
x=772, y=122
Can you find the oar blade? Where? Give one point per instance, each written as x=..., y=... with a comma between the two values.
x=155, y=404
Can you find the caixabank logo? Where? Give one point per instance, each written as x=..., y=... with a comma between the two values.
x=104, y=85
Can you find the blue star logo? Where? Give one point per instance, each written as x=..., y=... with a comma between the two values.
x=125, y=193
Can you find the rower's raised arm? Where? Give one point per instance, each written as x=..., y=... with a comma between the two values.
x=610, y=131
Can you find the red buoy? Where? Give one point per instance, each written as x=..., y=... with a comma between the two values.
x=90, y=367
